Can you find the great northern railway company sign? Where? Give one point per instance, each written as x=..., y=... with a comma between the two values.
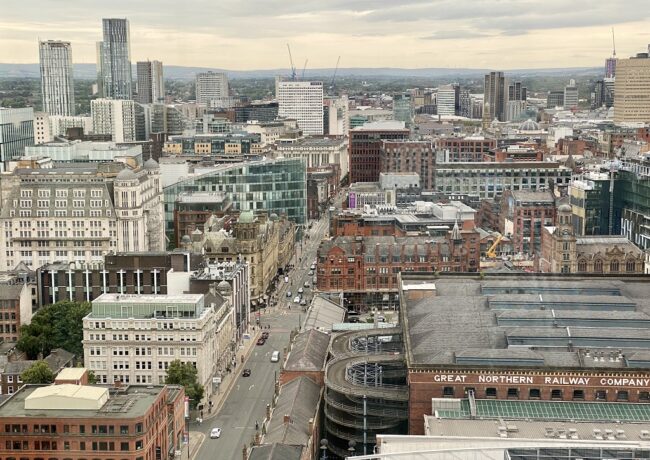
x=572, y=380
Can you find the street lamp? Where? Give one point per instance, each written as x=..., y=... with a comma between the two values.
x=323, y=448
x=352, y=447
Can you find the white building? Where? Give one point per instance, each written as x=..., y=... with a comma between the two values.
x=571, y=95
x=85, y=151
x=74, y=214
x=133, y=338
x=317, y=151
x=57, y=77
x=338, y=116
x=42, y=131
x=114, y=117
x=59, y=125
x=211, y=85
x=446, y=100
x=302, y=101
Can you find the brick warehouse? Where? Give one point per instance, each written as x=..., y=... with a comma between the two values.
x=365, y=148
x=525, y=338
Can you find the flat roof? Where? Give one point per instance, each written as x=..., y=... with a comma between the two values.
x=71, y=373
x=148, y=298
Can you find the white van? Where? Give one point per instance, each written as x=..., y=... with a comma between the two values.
x=275, y=357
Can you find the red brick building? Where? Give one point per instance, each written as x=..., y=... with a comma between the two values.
x=15, y=310
x=523, y=215
x=192, y=210
x=365, y=149
x=465, y=149
x=410, y=156
x=78, y=422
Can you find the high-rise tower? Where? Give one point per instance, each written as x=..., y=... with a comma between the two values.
x=114, y=60
x=494, y=98
x=57, y=80
x=151, y=86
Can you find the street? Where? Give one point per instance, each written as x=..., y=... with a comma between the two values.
x=246, y=403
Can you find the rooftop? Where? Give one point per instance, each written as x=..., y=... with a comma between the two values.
x=381, y=126
x=308, y=352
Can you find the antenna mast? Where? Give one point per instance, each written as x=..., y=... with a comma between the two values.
x=613, y=44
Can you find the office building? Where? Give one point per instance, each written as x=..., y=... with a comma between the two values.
x=79, y=213
x=410, y=156
x=403, y=109
x=114, y=117
x=555, y=99
x=235, y=144
x=524, y=213
x=317, y=151
x=336, y=116
x=210, y=85
x=464, y=148
x=132, y=339
x=59, y=125
x=262, y=112
x=16, y=133
x=632, y=90
x=63, y=151
x=571, y=95
x=42, y=131
x=132, y=422
x=446, y=100
x=494, y=98
x=590, y=202
x=303, y=102
x=57, y=77
x=517, y=92
x=114, y=60
x=365, y=148
x=151, y=84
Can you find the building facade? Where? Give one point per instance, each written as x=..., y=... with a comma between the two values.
x=317, y=152
x=464, y=149
x=495, y=98
x=16, y=310
x=114, y=117
x=571, y=95
x=151, y=84
x=632, y=90
x=114, y=60
x=57, y=77
x=410, y=156
x=211, y=85
x=42, y=130
x=524, y=214
x=303, y=102
x=16, y=133
x=365, y=148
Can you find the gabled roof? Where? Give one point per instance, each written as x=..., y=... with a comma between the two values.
x=276, y=451
x=308, y=352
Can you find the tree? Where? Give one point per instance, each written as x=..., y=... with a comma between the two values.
x=92, y=378
x=179, y=373
x=38, y=373
x=55, y=326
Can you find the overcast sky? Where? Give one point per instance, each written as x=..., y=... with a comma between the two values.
x=252, y=34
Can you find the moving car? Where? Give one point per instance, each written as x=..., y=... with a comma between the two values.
x=275, y=357
x=288, y=293
x=313, y=267
x=301, y=290
x=246, y=373
x=296, y=299
x=261, y=341
x=265, y=335
x=303, y=302
x=215, y=433
x=311, y=272
x=307, y=285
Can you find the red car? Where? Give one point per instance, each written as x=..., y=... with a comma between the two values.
x=261, y=341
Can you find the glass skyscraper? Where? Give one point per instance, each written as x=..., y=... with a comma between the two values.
x=16, y=133
x=57, y=81
x=277, y=186
x=114, y=60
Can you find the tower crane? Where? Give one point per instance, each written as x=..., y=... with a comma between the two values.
x=335, y=70
x=302, y=77
x=293, y=68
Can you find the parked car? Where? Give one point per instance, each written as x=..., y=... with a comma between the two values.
x=246, y=373
x=261, y=341
x=313, y=267
x=288, y=293
x=307, y=285
x=265, y=335
x=296, y=299
x=275, y=356
x=311, y=272
x=303, y=302
x=300, y=290
x=215, y=433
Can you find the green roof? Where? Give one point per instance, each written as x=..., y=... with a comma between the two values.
x=553, y=410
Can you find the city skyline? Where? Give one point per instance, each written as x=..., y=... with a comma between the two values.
x=413, y=34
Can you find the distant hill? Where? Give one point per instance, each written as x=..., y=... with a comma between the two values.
x=87, y=71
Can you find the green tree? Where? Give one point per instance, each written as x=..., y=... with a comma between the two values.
x=92, y=378
x=54, y=326
x=179, y=373
x=39, y=372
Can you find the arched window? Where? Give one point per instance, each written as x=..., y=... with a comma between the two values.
x=582, y=265
x=598, y=266
x=614, y=266
x=630, y=266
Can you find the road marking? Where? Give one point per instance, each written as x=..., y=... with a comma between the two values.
x=251, y=387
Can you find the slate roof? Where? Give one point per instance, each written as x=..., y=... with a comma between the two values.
x=276, y=451
x=309, y=352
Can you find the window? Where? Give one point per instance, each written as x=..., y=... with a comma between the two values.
x=448, y=391
x=582, y=265
x=613, y=266
x=124, y=429
x=138, y=444
x=622, y=395
x=138, y=426
x=513, y=392
x=601, y=395
x=644, y=396
x=579, y=394
x=490, y=392
x=556, y=394
x=124, y=446
x=598, y=266
x=630, y=266
x=534, y=393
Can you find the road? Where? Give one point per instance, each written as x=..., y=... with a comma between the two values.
x=247, y=400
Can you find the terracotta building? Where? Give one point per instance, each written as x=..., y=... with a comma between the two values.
x=465, y=149
x=523, y=215
x=564, y=252
x=79, y=422
x=410, y=156
x=193, y=209
x=365, y=148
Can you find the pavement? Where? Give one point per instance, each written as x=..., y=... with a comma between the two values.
x=241, y=401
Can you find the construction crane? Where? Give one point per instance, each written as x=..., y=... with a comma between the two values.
x=293, y=68
x=492, y=252
x=335, y=70
x=302, y=77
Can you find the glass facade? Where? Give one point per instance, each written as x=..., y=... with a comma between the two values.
x=277, y=186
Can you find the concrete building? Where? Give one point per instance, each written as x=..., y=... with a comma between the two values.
x=210, y=85
x=57, y=77
x=119, y=273
x=555, y=99
x=303, y=102
x=151, y=83
x=132, y=339
x=571, y=95
x=80, y=213
x=16, y=306
x=464, y=148
x=114, y=117
x=114, y=60
x=495, y=97
x=365, y=148
x=193, y=209
x=139, y=422
x=632, y=90
x=317, y=152
x=261, y=112
x=42, y=132
x=403, y=109
x=336, y=116
x=224, y=144
x=59, y=125
x=16, y=133
x=446, y=100
x=410, y=156
x=62, y=151
x=523, y=215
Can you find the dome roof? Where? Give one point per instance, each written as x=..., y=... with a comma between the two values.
x=186, y=239
x=565, y=208
x=273, y=216
x=126, y=174
x=223, y=286
x=246, y=217
x=151, y=164
x=529, y=125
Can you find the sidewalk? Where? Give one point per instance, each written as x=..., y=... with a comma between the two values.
x=196, y=440
x=229, y=379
